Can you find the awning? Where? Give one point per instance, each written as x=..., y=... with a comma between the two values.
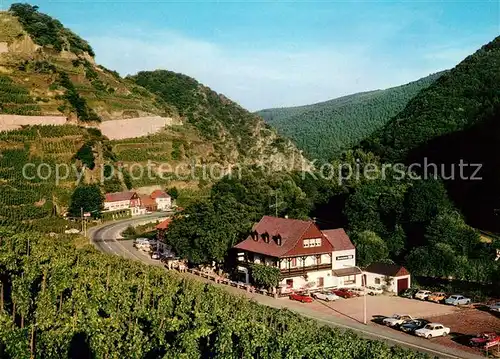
x=344, y=272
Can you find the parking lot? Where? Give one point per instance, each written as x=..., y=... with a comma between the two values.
x=381, y=305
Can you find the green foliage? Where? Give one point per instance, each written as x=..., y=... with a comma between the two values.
x=214, y=116
x=87, y=198
x=369, y=248
x=15, y=99
x=86, y=155
x=78, y=302
x=44, y=30
x=265, y=276
x=325, y=129
x=458, y=99
x=129, y=232
x=173, y=192
x=77, y=102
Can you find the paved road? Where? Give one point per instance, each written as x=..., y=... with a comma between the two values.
x=104, y=238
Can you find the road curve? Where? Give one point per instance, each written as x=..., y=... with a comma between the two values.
x=104, y=238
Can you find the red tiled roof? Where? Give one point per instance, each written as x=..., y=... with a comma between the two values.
x=164, y=224
x=339, y=239
x=290, y=230
x=392, y=270
x=159, y=194
x=147, y=201
x=119, y=196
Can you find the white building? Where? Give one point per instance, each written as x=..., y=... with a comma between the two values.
x=307, y=257
x=124, y=200
x=394, y=278
x=163, y=200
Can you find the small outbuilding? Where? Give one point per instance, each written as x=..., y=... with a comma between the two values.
x=393, y=277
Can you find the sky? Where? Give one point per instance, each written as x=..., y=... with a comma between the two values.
x=278, y=53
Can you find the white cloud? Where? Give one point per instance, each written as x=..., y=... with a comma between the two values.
x=259, y=78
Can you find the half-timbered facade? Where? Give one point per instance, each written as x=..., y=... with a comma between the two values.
x=307, y=257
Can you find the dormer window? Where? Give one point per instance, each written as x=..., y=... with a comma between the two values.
x=254, y=235
x=265, y=237
x=277, y=239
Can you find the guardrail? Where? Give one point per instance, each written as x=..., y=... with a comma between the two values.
x=221, y=280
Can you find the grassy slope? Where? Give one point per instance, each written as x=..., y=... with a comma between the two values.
x=325, y=129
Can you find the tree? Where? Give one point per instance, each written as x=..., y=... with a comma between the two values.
x=173, y=192
x=86, y=197
x=265, y=276
x=369, y=247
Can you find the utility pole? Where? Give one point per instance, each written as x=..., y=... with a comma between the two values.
x=276, y=203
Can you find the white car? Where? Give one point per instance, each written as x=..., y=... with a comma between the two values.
x=374, y=291
x=495, y=307
x=326, y=296
x=396, y=320
x=432, y=330
x=422, y=294
x=155, y=255
x=457, y=299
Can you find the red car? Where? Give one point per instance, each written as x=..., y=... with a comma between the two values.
x=485, y=339
x=301, y=298
x=343, y=293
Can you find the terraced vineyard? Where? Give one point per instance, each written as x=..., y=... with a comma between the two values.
x=30, y=197
x=15, y=99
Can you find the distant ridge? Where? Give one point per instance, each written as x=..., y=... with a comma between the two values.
x=325, y=129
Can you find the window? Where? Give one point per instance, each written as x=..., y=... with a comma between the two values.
x=312, y=242
x=293, y=262
x=318, y=259
x=350, y=279
x=289, y=283
x=377, y=280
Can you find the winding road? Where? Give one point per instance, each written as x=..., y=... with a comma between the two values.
x=104, y=238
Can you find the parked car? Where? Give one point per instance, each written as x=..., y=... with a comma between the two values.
x=155, y=255
x=437, y=297
x=422, y=294
x=412, y=325
x=140, y=241
x=396, y=320
x=343, y=292
x=432, y=330
x=373, y=290
x=457, y=299
x=300, y=298
x=495, y=307
x=326, y=296
x=485, y=339
x=409, y=293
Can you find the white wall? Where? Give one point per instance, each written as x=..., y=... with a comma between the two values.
x=116, y=205
x=309, y=261
x=164, y=203
x=343, y=263
x=371, y=281
x=300, y=283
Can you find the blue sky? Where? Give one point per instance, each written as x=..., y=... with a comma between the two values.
x=282, y=53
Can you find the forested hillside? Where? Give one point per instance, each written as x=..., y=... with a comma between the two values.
x=455, y=119
x=325, y=129
x=232, y=130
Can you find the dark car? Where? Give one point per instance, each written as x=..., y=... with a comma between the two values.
x=409, y=293
x=412, y=325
